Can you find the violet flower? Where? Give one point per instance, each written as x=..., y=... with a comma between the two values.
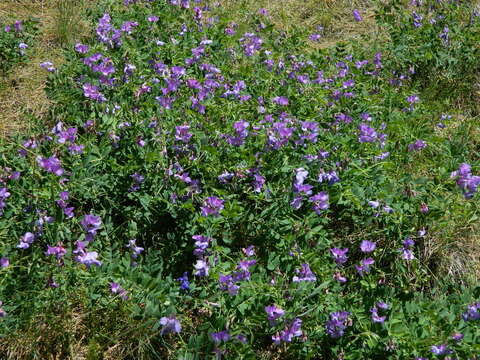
x=273, y=313
x=339, y=255
x=220, y=336
x=212, y=206
x=364, y=266
x=291, y=331
x=336, y=325
x=356, y=15
x=304, y=274
x=367, y=246
x=170, y=325
x=91, y=224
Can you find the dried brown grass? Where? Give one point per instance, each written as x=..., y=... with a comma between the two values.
x=52, y=339
x=22, y=91
x=335, y=16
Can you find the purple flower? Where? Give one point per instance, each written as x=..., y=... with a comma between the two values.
x=304, y=274
x=91, y=224
x=273, y=313
x=4, y=262
x=375, y=316
x=201, y=268
x=367, y=134
x=220, y=336
x=26, y=240
x=364, y=266
x=88, y=258
x=424, y=208
x=153, y=18
x=472, y=313
x=227, y=283
x=367, y=246
x=136, y=250
x=170, y=324
x=336, y=325
x=80, y=48
x=47, y=65
x=115, y=288
x=408, y=242
x=339, y=255
x=300, y=176
x=356, y=15
x=182, y=133
x=201, y=244
x=330, y=177
x=457, y=337
x=407, y=254
x=2, y=312
x=59, y=251
x=51, y=165
x=212, y=206
x=467, y=182
x=291, y=331
x=413, y=99
x=4, y=194
x=280, y=100
x=417, y=19
x=251, y=43
x=417, y=145
x=440, y=350
x=249, y=251
x=339, y=277
x=242, y=338
x=91, y=91
x=444, y=34
x=320, y=202
x=22, y=46
x=18, y=26
x=184, y=282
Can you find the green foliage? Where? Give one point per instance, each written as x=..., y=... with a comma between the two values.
x=11, y=39
x=351, y=130
x=438, y=42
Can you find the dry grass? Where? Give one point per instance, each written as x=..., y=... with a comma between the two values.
x=22, y=92
x=335, y=16
x=60, y=338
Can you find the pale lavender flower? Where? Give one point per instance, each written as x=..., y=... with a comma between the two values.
x=59, y=251
x=304, y=274
x=336, y=325
x=339, y=255
x=273, y=313
x=440, y=350
x=291, y=331
x=367, y=246
x=91, y=224
x=88, y=258
x=220, y=336
x=212, y=206
x=472, y=313
x=201, y=268
x=364, y=266
x=417, y=145
x=170, y=324
x=91, y=91
x=80, y=48
x=280, y=100
x=47, y=65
